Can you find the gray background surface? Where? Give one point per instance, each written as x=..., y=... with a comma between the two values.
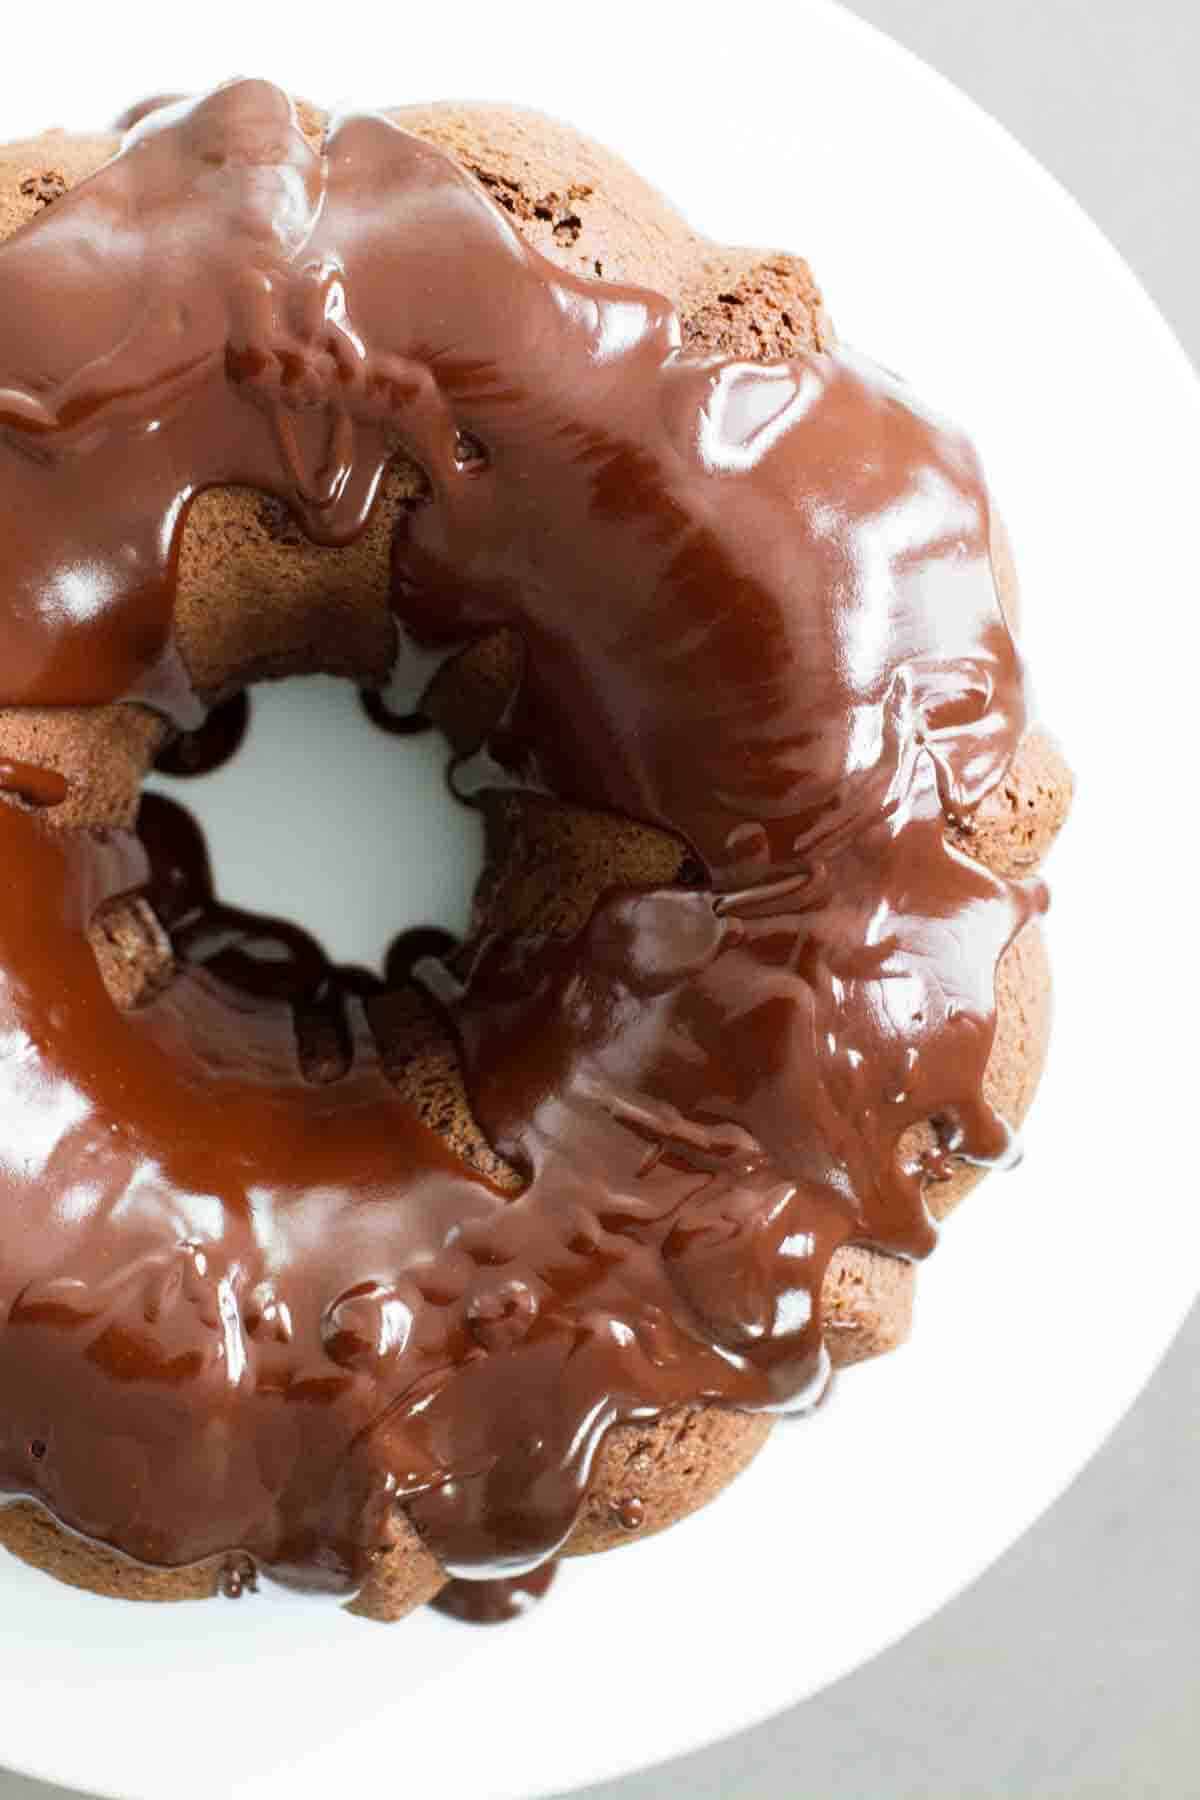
x=1072, y=1670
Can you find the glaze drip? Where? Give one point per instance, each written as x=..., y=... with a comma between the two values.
x=201, y=751
x=495, y=1602
x=34, y=785
x=251, y=1309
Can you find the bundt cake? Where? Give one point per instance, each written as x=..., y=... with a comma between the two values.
x=370, y=1283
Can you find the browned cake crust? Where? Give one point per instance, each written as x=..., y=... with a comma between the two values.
x=257, y=599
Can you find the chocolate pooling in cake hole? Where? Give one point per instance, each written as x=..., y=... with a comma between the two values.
x=414, y=946
x=258, y=957
x=400, y=724
x=211, y=745
x=397, y=706
x=756, y=612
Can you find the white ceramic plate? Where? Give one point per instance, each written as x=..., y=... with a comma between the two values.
x=950, y=256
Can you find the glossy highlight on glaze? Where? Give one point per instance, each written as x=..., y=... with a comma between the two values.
x=249, y=1309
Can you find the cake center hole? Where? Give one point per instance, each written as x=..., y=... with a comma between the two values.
x=324, y=820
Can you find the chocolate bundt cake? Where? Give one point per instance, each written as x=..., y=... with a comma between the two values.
x=373, y=1283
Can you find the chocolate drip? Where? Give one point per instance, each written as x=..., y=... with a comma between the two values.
x=405, y=724
x=420, y=943
x=211, y=745
x=396, y=708
x=495, y=1602
x=238, y=1576
x=35, y=786
x=630, y=1513
x=263, y=958
x=249, y=1308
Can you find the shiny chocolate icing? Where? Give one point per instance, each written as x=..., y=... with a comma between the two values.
x=246, y=1308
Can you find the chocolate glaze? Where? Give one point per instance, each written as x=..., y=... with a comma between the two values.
x=213, y=743
x=396, y=708
x=405, y=724
x=250, y=1309
x=238, y=1576
x=266, y=958
x=35, y=786
x=415, y=945
x=630, y=1512
x=263, y=958
x=495, y=1602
